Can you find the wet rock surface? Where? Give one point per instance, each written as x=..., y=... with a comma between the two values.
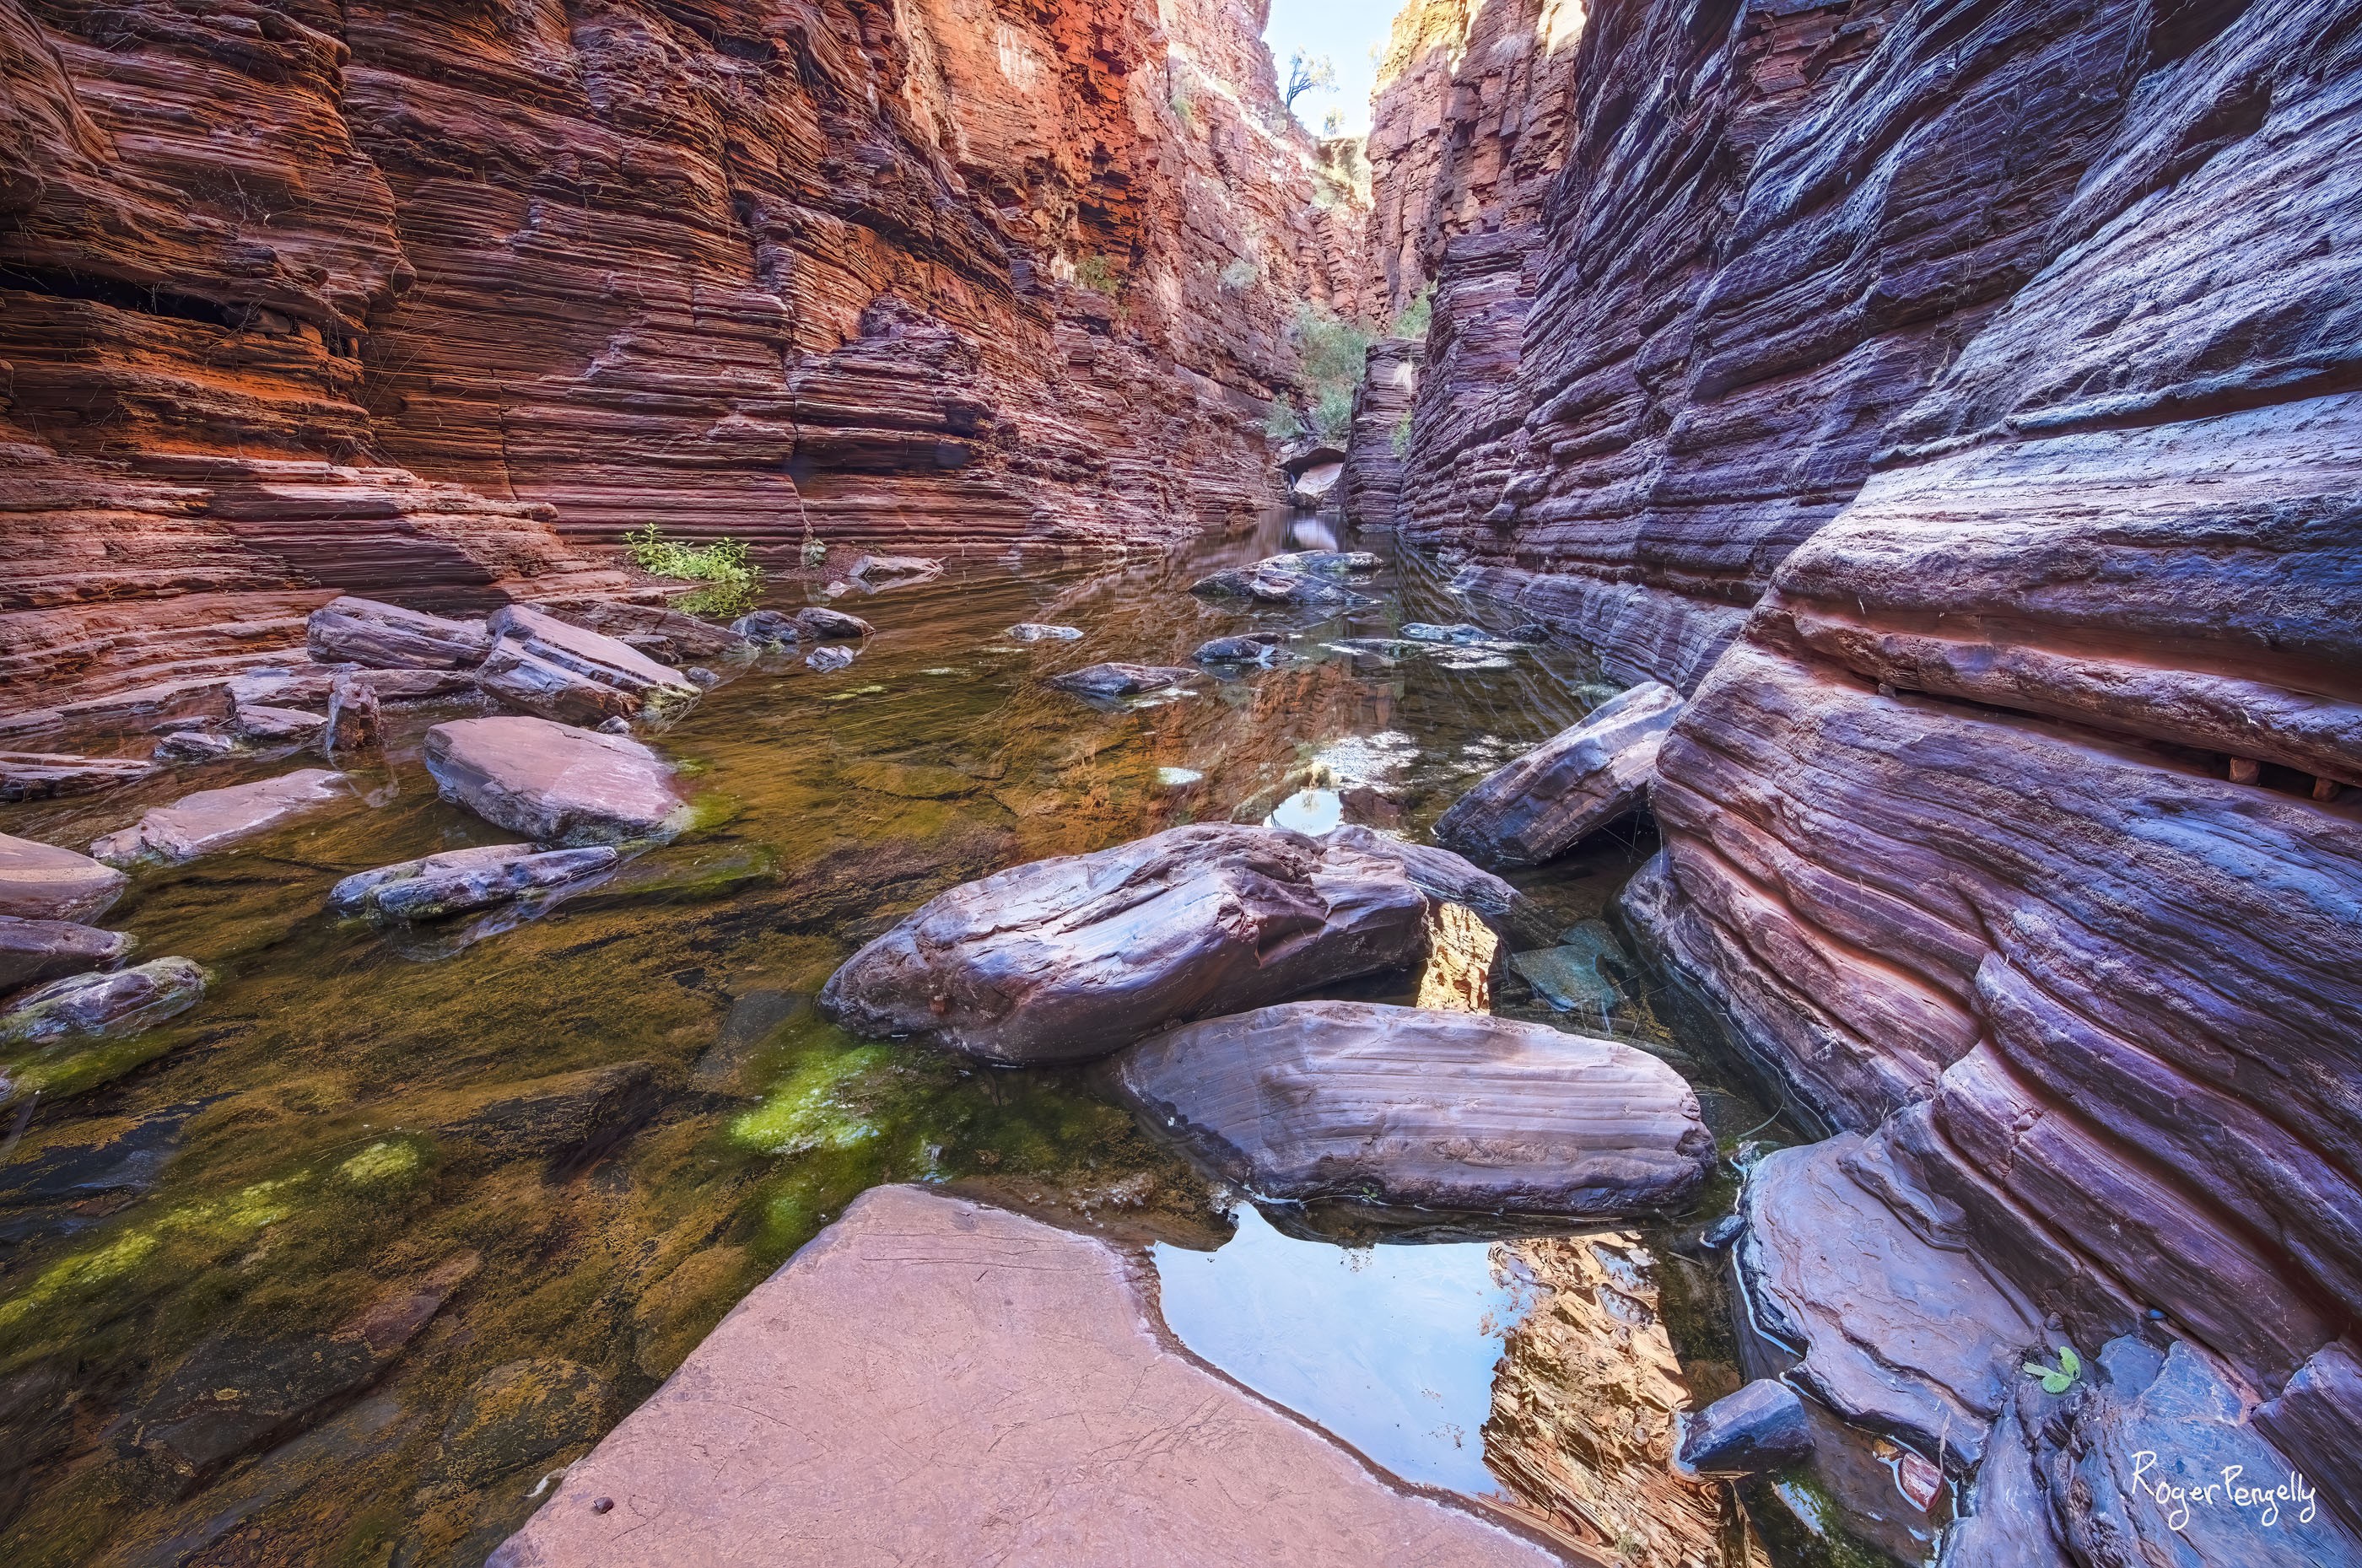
x=43, y=775
x=1570, y=786
x=460, y=880
x=530, y=643
x=214, y=818
x=556, y=783
x=815, y=623
x=35, y=951
x=41, y=881
x=1448, y=1110
x=991, y=1363
x=1107, y=680
x=1277, y=581
x=104, y=1006
x=387, y=636
x=893, y=571
x=1238, y=650
x=1042, y=632
x=1762, y=1427
x=1076, y=956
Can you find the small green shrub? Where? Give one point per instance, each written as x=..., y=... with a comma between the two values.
x=1097, y=273
x=735, y=580
x=1413, y=319
x=1332, y=413
x=1400, y=439
x=1240, y=275
x=1281, y=423
x=815, y=552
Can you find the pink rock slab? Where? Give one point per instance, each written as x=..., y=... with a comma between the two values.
x=934, y=1381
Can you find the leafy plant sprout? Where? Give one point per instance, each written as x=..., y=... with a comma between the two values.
x=2059, y=1378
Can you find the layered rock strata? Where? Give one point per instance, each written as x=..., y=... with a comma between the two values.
x=416, y=302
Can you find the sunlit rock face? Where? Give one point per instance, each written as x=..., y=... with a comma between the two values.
x=1959, y=408
x=424, y=301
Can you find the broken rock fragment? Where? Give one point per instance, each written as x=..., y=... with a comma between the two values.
x=41, y=881
x=34, y=952
x=553, y=782
x=1566, y=789
x=214, y=818
x=385, y=636
x=1106, y=680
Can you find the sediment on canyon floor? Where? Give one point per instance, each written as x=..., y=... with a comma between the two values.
x=1856, y=508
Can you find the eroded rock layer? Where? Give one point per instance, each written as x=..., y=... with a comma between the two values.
x=1961, y=403
x=298, y=297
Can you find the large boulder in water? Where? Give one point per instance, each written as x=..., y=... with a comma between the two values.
x=553, y=782
x=213, y=819
x=573, y=674
x=1079, y=955
x=1569, y=787
x=104, y=1006
x=1404, y=1105
x=386, y=637
x=41, y=881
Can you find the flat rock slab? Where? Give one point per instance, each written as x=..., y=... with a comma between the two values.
x=44, y=775
x=892, y=571
x=1897, y=1333
x=266, y=725
x=934, y=1381
x=1569, y=787
x=104, y=1006
x=1077, y=956
x=1042, y=632
x=1238, y=650
x=460, y=880
x=1437, y=1109
x=41, y=881
x=1271, y=584
x=213, y=819
x=553, y=782
x=34, y=952
x=813, y=623
x=573, y=674
x=1121, y=679
x=667, y=635
x=385, y=636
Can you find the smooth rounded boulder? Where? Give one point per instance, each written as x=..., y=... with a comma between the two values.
x=1399, y=1105
x=41, y=881
x=33, y=952
x=1568, y=788
x=104, y=1006
x=1076, y=956
x=553, y=782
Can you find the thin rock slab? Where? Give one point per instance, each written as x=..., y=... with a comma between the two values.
x=1268, y=584
x=262, y=725
x=41, y=881
x=873, y=572
x=460, y=880
x=1762, y=1427
x=1238, y=650
x=351, y=630
x=534, y=637
x=1106, y=680
x=1079, y=955
x=45, y=775
x=930, y=1380
x=1042, y=632
x=214, y=818
x=1432, y=1110
x=667, y=635
x=1569, y=787
x=555, y=783
x=1897, y=1334
x=104, y=1006
x=514, y=676
x=34, y=952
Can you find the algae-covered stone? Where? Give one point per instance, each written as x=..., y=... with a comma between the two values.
x=456, y=881
x=104, y=1006
x=33, y=952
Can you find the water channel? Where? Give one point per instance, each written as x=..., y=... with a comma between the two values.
x=551, y=1152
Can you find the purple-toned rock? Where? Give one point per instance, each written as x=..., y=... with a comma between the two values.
x=261, y=725
x=1454, y=1111
x=195, y=744
x=555, y=783
x=514, y=676
x=104, y=1006
x=1566, y=789
x=875, y=572
x=1326, y=563
x=1042, y=632
x=1239, y=651
x=459, y=881
x=1015, y=1382
x=813, y=623
x=1762, y=1427
x=1271, y=584
x=533, y=649
x=667, y=635
x=828, y=661
x=356, y=716
x=41, y=881
x=386, y=637
x=1079, y=955
x=213, y=819
x=34, y=952
x=1106, y=680
x=43, y=775
x=1897, y=1333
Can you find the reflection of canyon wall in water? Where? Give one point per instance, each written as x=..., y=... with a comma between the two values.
x=408, y=302
x=1962, y=403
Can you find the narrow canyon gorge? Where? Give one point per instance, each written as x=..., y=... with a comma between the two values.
x=880, y=780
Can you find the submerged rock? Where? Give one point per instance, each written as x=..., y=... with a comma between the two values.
x=1271, y=584
x=893, y=571
x=828, y=661
x=667, y=635
x=1762, y=1427
x=386, y=637
x=1436, y=1109
x=553, y=782
x=43, y=775
x=41, y=881
x=521, y=1414
x=1079, y=955
x=33, y=952
x=1238, y=650
x=1897, y=1333
x=1041, y=632
x=104, y=1006
x=213, y=819
x=195, y=744
x=992, y=1365
x=460, y=880
x=814, y=623
x=1569, y=787
x=1105, y=680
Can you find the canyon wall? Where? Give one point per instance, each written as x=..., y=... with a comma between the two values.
x=298, y=297
x=1964, y=403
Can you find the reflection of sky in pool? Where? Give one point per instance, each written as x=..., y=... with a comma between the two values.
x=1391, y=1348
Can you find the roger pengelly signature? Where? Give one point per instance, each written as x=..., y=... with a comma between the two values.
x=2177, y=1499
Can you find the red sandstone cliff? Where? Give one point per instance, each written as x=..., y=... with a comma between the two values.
x=296, y=298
